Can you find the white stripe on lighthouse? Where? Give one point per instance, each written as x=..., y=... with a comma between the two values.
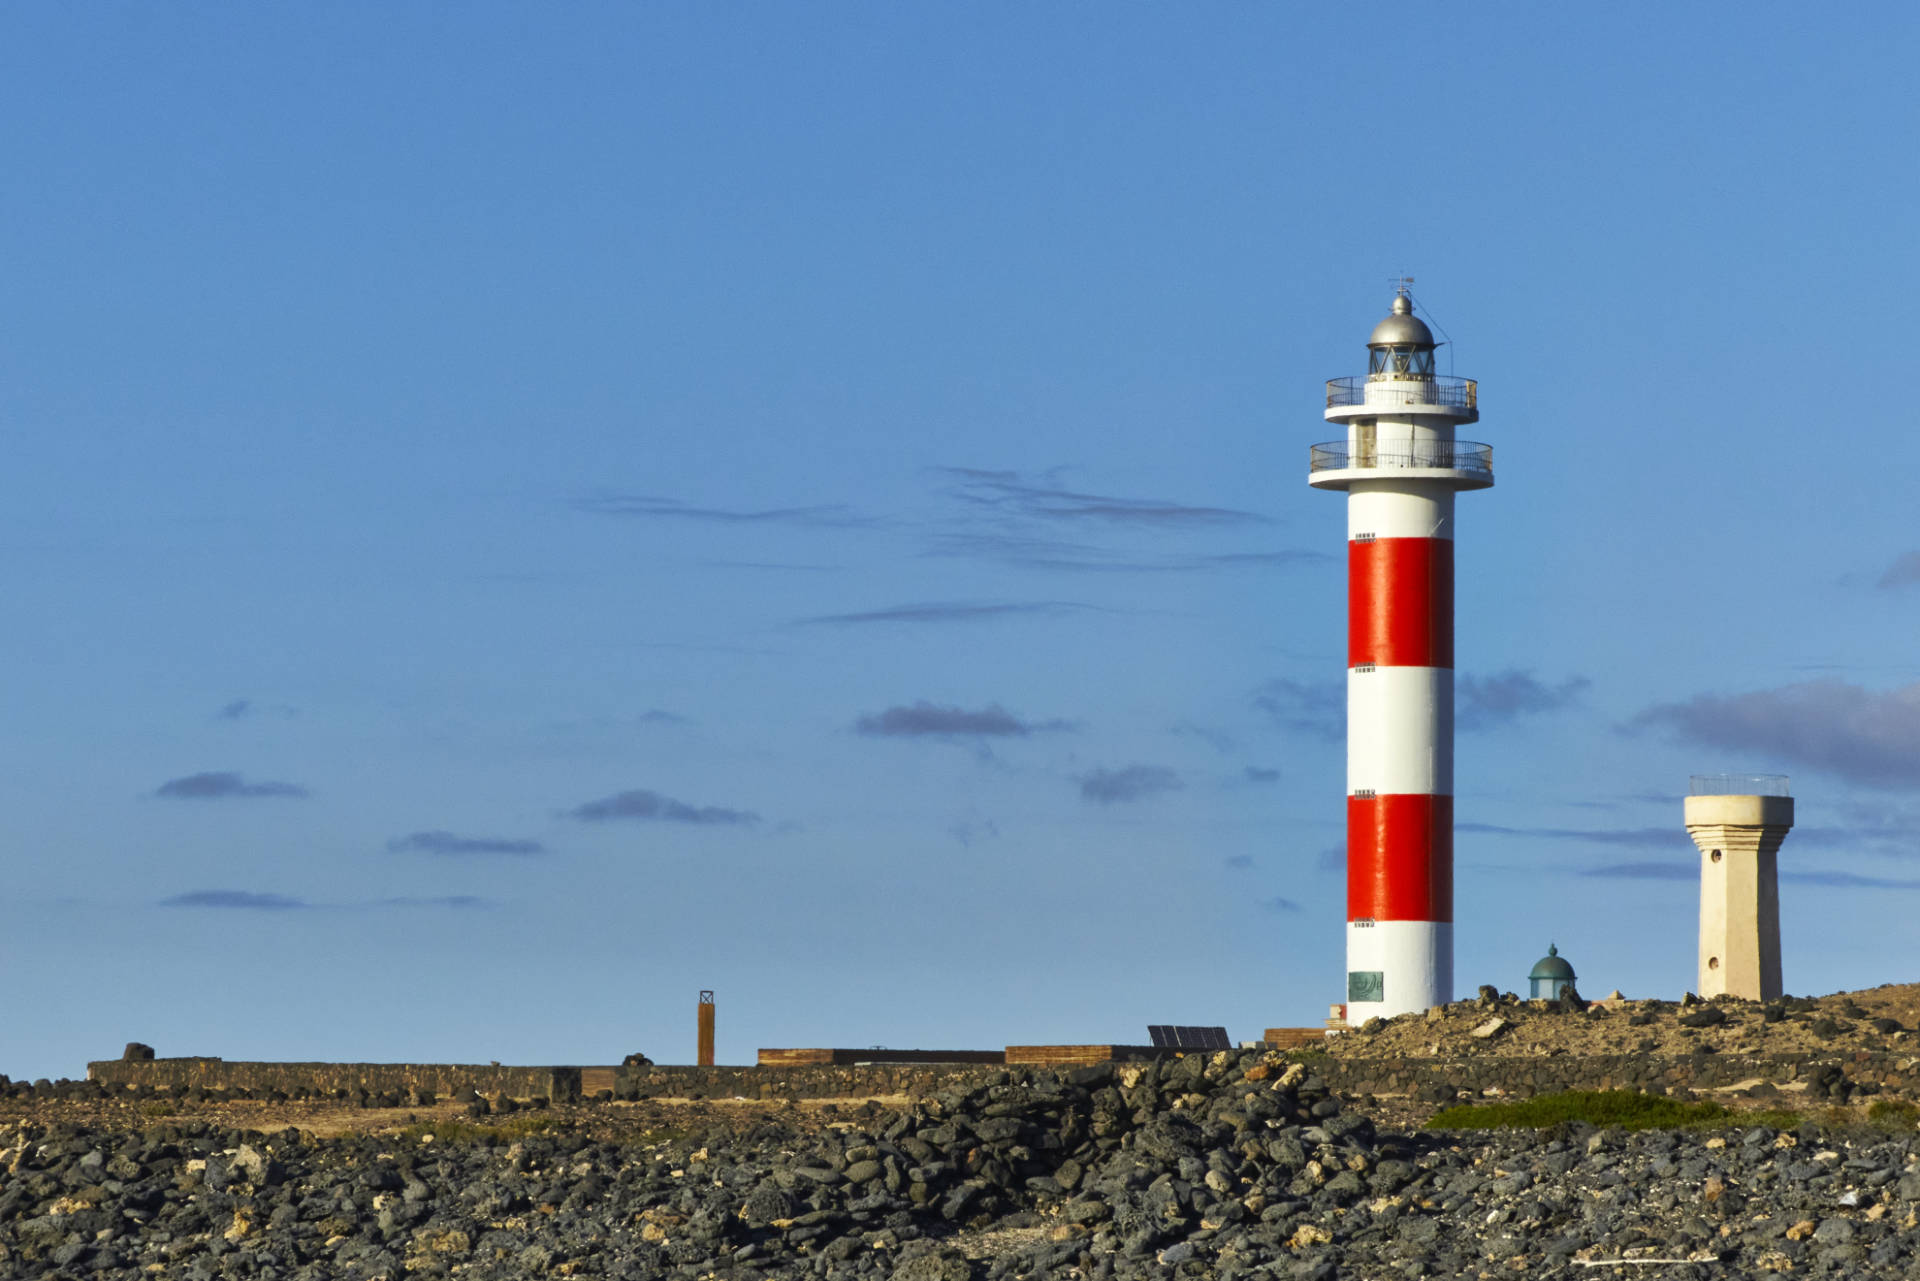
x=1416, y=957
x=1400, y=730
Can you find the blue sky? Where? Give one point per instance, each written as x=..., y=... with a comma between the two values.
x=515, y=516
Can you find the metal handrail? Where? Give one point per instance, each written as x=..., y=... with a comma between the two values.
x=1449, y=455
x=1429, y=389
x=1738, y=785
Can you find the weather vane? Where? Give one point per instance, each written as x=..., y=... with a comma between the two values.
x=1402, y=285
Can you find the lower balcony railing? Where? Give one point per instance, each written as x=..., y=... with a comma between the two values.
x=1457, y=455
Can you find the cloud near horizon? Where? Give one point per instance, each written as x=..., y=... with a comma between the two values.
x=1866, y=736
x=1904, y=572
x=449, y=844
x=222, y=785
x=930, y=720
x=1487, y=702
x=1130, y=783
x=644, y=805
x=1318, y=708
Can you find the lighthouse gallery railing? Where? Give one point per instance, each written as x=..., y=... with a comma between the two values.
x=1437, y=389
x=1458, y=455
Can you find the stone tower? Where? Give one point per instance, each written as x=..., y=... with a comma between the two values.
x=1739, y=821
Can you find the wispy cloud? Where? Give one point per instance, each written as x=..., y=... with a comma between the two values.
x=1032, y=551
x=1239, y=862
x=649, y=806
x=1646, y=871
x=955, y=612
x=1010, y=493
x=254, y=901
x=1851, y=881
x=1691, y=872
x=826, y=516
x=930, y=720
x=1486, y=702
x=219, y=786
x=969, y=831
x=237, y=900
x=1129, y=783
x=658, y=716
x=1331, y=859
x=1318, y=708
x=1633, y=836
x=1037, y=522
x=241, y=709
x=1278, y=904
x=1904, y=572
x=1863, y=735
x=447, y=843
x=1260, y=774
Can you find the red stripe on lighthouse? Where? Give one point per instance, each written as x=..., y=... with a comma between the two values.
x=1400, y=858
x=1400, y=602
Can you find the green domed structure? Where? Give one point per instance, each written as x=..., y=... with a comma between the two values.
x=1551, y=975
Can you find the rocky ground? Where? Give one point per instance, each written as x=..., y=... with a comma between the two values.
x=1234, y=1165
x=1883, y=1018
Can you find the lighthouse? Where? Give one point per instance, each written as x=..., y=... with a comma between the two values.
x=1400, y=465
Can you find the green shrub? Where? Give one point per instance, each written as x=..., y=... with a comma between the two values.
x=453, y=1131
x=1893, y=1114
x=1625, y=1109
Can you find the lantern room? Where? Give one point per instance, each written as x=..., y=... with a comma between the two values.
x=1401, y=346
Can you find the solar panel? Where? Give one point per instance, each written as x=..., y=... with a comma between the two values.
x=1171, y=1037
x=1163, y=1036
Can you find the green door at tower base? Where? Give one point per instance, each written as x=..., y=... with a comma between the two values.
x=1366, y=985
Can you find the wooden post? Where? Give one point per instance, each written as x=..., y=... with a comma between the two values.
x=706, y=1028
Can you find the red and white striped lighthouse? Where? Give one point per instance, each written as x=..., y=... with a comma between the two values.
x=1400, y=466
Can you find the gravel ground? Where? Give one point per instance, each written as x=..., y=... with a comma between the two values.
x=1882, y=1019
x=1238, y=1165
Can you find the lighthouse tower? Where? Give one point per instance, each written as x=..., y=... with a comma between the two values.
x=1400, y=466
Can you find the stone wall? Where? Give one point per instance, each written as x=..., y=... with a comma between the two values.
x=444, y=1079
x=821, y=1081
x=556, y=1083
x=1432, y=1080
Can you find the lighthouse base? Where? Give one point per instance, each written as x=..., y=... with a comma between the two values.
x=1397, y=967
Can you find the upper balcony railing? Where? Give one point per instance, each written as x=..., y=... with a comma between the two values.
x=1433, y=389
x=1469, y=456
x=1739, y=785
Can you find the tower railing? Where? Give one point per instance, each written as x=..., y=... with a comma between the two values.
x=1449, y=455
x=1419, y=389
x=1738, y=785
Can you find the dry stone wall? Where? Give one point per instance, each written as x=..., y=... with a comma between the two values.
x=1426, y=1079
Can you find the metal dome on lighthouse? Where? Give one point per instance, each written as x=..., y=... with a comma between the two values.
x=1400, y=465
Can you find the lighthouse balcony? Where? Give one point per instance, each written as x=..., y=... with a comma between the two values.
x=1465, y=464
x=1432, y=394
